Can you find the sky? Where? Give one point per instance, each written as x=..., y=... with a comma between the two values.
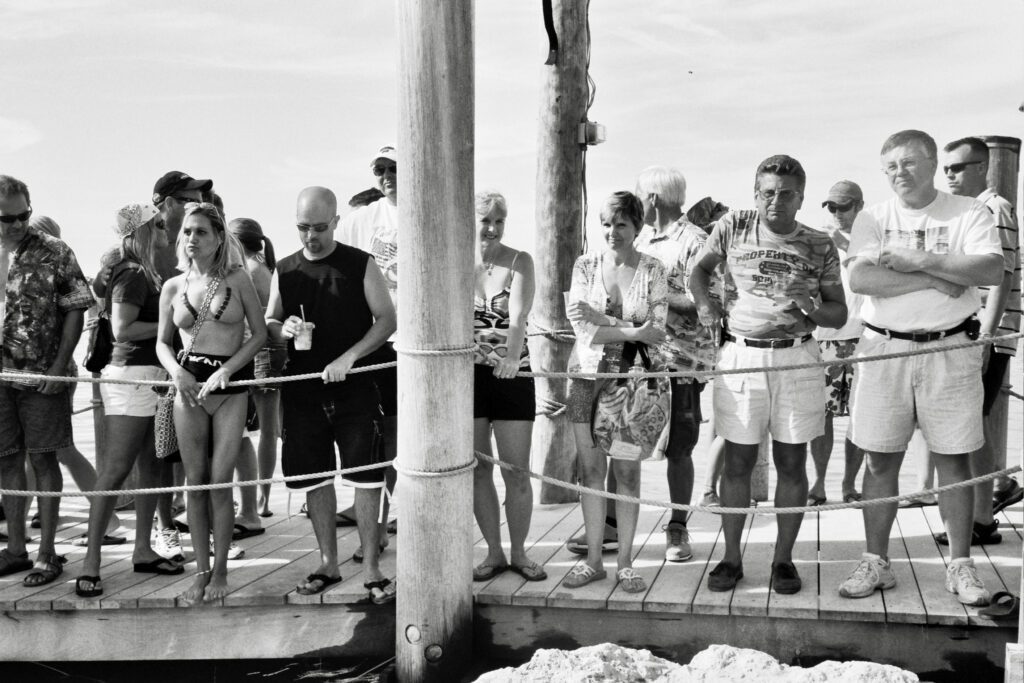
x=101, y=97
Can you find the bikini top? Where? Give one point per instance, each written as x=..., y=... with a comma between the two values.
x=490, y=325
x=195, y=314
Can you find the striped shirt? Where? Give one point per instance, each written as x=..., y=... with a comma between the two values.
x=1006, y=224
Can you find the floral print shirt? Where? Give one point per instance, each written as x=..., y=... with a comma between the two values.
x=44, y=283
x=646, y=299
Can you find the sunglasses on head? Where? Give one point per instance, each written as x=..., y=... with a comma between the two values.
x=17, y=217
x=957, y=168
x=839, y=208
x=380, y=169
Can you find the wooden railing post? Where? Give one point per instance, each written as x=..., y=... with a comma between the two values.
x=559, y=238
x=434, y=610
x=1003, y=169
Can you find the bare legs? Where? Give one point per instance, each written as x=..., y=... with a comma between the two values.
x=513, y=438
x=268, y=409
x=821, y=453
x=225, y=415
x=593, y=466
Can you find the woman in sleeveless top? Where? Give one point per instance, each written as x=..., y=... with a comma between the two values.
x=617, y=295
x=503, y=404
x=133, y=292
x=208, y=414
x=260, y=263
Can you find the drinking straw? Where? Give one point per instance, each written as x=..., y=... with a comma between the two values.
x=302, y=310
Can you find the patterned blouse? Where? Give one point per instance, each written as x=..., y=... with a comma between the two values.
x=43, y=285
x=646, y=299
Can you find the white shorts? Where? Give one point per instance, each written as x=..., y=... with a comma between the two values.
x=789, y=405
x=132, y=400
x=939, y=392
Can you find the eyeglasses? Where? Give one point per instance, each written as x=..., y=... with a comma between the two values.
x=316, y=227
x=17, y=217
x=839, y=208
x=953, y=169
x=903, y=164
x=782, y=196
x=380, y=169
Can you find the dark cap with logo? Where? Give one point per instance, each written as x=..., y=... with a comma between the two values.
x=172, y=182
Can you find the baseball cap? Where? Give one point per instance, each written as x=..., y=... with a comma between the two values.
x=133, y=216
x=386, y=152
x=843, y=192
x=176, y=181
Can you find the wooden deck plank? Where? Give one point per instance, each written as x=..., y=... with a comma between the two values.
x=929, y=567
x=539, y=547
x=1005, y=558
x=841, y=545
x=803, y=604
x=903, y=602
x=351, y=590
x=751, y=595
x=674, y=588
x=648, y=558
x=706, y=601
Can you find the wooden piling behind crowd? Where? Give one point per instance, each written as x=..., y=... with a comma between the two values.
x=435, y=433
x=559, y=237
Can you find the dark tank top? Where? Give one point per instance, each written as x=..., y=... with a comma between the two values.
x=331, y=292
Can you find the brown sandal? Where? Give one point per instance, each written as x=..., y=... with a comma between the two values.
x=52, y=569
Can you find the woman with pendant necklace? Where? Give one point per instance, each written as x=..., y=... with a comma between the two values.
x=617, y=295
x=503, y=403
x=209, y=304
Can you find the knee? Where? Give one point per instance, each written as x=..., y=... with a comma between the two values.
x=515, y=481
x=592, y=474
x=734, y=465
x=628, y=479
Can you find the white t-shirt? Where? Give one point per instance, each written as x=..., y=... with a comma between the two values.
x=854, y=324
x=949, y=225
x=374, y=228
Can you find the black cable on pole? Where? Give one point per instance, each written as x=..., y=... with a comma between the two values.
x=549, y=26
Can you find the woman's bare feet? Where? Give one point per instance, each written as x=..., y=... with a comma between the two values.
x=217, y=588
x=194, y=595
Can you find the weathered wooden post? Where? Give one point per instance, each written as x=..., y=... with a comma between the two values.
x=1003, y=168
x=435, y=430
x=559, y=240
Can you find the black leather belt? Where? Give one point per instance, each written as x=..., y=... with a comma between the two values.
x=768, y=343
x=920, y=336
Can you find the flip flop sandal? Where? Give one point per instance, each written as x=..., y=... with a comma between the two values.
x=83, y=540
x=582, y=574
x=486, y=572
x=325, y=582
x=1003, y=604
x=94, y=592
x=52, y=568
x=853, y=497
x=381, y=592
x=160, y=566
x=815, y=501
x=266, y=514
x=241, y=531
x=630, y=581
x=530, y=572
x=342, y=520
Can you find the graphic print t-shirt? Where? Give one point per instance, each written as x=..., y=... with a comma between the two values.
x=764, y=270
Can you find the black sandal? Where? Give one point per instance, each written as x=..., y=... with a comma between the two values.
x=94, y=592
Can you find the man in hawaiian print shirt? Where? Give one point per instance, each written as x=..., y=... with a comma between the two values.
x=45, y=297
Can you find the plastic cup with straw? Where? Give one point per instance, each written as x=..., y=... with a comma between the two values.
x=304, y=337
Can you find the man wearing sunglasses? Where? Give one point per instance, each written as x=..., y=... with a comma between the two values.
x=918, y=259
x=845, y=200
x=966, y=170
x=171, y=193
x=43, y=299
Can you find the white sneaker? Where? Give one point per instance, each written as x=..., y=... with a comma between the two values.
x=872, y=573
x=235, y=551
x=677, y=542
x=167, y=544
x=962, y=580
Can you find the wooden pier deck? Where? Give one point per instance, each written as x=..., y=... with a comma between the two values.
x=917, y=624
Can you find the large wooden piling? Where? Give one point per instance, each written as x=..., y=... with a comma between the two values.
x=435, y=426
x=559, y=238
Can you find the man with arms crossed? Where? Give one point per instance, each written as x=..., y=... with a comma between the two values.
x=918, y=259
x=782, y=280
x=340, y=290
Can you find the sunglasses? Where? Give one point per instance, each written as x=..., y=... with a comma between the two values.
x=957, y=168
x=379, y=170
x=16, y=218
x=838, y=208
x=316, y=227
